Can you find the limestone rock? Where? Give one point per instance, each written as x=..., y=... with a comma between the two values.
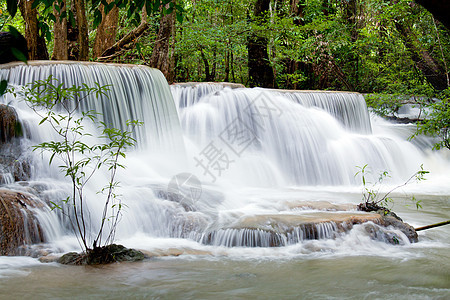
x=18, y=224
x=174, y=252
x=14, y=165
x=9, y=123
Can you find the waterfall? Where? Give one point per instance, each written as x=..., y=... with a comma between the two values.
x=311, y=138
x=247, y=146
x=135, y=93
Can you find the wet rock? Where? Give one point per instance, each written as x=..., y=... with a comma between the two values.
x=407, y=229
x=279, y=230
x=49, y=258
x=34, y=250
x=9, y=123
x=389, y=218
x=284, y=229
x=18, y=224
x=72, y=258
x=383, y=234
x=174, y=252
x=102, y=255
x=14, y=165
x=21, y=170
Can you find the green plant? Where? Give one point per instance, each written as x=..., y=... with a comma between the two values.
x=384, y=104
x=437, y=121
x=79, y=159
x=373, y=200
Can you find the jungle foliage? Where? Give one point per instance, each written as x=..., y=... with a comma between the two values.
x=392, y=50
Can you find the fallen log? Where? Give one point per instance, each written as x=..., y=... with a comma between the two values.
x=433, y=225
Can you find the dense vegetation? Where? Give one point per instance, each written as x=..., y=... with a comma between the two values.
x=393, y=49
x=359, y=45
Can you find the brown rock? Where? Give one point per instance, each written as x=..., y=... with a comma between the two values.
x=49, y=258
x=407, y=229
x=18, y=224
x=9, y=123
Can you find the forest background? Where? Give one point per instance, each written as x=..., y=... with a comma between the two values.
x=388, y=47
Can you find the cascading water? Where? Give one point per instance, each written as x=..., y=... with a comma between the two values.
x=134, y=93
x=310, y=138
x=273, y=150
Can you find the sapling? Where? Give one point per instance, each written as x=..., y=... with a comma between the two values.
x=79, y=157
x=373, y=199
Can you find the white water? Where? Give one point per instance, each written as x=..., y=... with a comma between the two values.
x=276, y=151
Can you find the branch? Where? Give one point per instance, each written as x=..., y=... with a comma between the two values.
x=128, y=38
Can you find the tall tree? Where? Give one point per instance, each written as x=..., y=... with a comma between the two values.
x=162, y=55
x=37, y=49
x=82, y=26
x=259, y=68
x=106, y=30
x=60, y=48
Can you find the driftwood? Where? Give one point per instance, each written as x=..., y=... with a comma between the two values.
x=433, y=225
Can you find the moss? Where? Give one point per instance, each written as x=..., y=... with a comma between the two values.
x=102, y=255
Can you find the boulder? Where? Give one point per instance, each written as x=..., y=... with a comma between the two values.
x=277, y=230
x=102, y=255
x=14, y=165
x=397, y=223
x=18, y=224
x=390, y=219
x=9, y=123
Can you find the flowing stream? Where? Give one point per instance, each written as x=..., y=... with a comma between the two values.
x=259, y=166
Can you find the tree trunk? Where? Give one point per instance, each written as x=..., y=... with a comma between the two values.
x=350, y=13
x=427, y=64
x=106, y=31
x=227, y=67
x=37, y=48
x=60, y=48
x=292, y=66
x=162, y=54
x=208, y=75
x=72, y=37
x=260, y=71
x=83, y=38
x=296, y=9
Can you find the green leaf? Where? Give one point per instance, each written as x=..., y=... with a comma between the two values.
x=43, y=120
x=19, y=54
x=51, y=158
x=3, y=86
x=179, y=17
x=14, y=31
x=97, y=18
x=54, y=205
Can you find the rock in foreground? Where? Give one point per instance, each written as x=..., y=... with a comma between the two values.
x=102, y=255
x=18, y=224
